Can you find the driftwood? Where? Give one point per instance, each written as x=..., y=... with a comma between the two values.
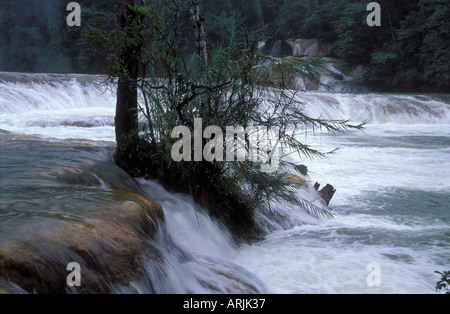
x=326, y=193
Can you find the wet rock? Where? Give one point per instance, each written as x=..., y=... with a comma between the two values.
x=237, y=284
x=73, y=175
x=104, y=174
x=4, y=291
x=316, y=186
x=110, y=245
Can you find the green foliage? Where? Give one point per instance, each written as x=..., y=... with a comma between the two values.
x=140, y=10
x=422, y=45
x=75, y=44
x=408, y=51
x=34, y=36
x=228, y=92
x=113, y=43
x=27, y=39
x=348, y=30
x=443, y=285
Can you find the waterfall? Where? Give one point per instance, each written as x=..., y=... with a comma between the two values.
x=56, y=138
x=298, y=50
x=83, y=106
x=280, y=49
x=57, y=106
x=331, y=78
x=378, y=108
x=66, y=202
x=308, y=48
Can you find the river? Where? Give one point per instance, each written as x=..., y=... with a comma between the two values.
x=391, y=206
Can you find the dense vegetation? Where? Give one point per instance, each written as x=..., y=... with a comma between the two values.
x=34, y=36
x=231, y=178
x=409, y=50
x=443, y=285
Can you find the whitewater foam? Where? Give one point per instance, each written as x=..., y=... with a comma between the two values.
x=391, y=204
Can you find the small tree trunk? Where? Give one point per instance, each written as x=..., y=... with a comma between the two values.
x=126, y=120
x=200, y=44
x=199, y=32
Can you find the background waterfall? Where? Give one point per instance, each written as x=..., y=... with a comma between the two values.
x=83, y=106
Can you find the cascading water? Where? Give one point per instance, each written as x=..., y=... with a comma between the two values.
x=56, y=175
x=391, y=205
x=57, y=106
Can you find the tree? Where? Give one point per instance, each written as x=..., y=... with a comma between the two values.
x=123, y=46
x=292, y=15
x=126, y=120
x=30, y=36
x=423, y=39
x=75, y=44
x=199, y=32
x=224, y=87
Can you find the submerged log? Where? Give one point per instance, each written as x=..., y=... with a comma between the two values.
x=326, y=193
x=317, y=186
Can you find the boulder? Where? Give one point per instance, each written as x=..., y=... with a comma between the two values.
x=73, y=175
x=102, y=174
x=109, y=245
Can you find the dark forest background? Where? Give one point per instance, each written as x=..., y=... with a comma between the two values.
x=410, y=51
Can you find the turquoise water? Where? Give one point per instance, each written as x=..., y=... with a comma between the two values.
x=391, y=206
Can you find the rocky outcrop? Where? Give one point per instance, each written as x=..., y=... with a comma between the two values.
x=97, y=216
x=109, y=245
x=73, y=175
x=302, y=48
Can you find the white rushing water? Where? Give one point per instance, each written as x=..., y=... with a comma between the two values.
x=55, y=106
x=391, y=206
